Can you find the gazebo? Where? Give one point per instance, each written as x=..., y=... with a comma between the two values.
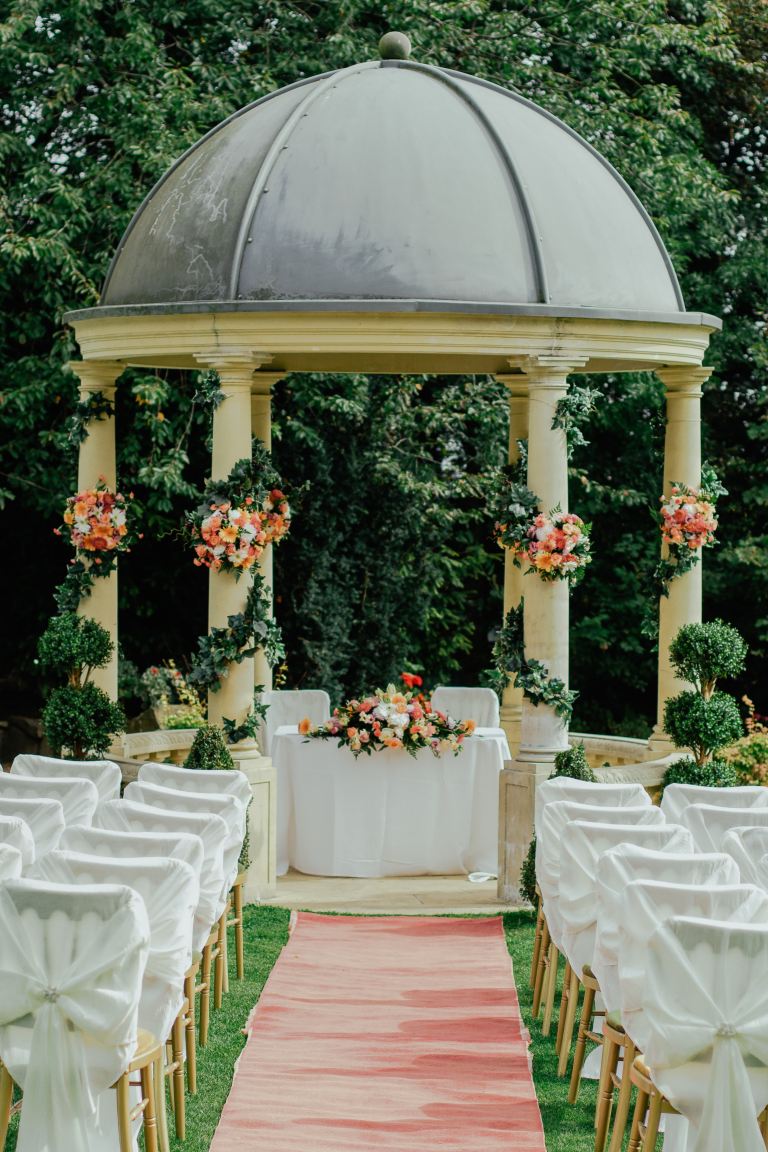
x=398, y=217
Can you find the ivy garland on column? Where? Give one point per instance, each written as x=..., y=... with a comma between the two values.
x=531, y=675
x=230, y=528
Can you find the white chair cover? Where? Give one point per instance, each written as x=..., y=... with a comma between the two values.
x=748, y=846
x=627, y=862
x=44, y=818
x=706, y=1007
x=10, y=863
x=14, y=831
x=584, y=792
x=186, y=780
x=478, y=704
x=582, y=847
x=78, y=797
x=677, y=797
x=170, y=891
x=105, y=774
x=709, y=824
x=291, y=708
x=71, y=964
x=166, y=845
x=125, y=816
x=650, y=903
x=227, y=806
x=555, y=817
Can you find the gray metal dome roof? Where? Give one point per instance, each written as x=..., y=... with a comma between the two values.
x=394, y=184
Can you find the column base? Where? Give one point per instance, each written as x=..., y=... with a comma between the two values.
x=517, y=791
x=261, y=881
x=660, y=744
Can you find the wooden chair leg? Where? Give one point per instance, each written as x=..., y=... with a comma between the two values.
x=652, y=1123
x=189, y=1032
x=638, y=1120
x=549, y=1003
x=564, y=997
x=158, y=1088
x=6, y=1099
x=237, y=896
x=123, y=1093
x=604, y=1107
x=581, y=1044
x=624, y=1100
x=541, y=970
x=220, y=965
x=205, y=996
x=537, y=941
x=177, y=1083
x=147, y=1077
x=570, y=1021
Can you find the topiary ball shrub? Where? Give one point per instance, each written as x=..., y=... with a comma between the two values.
x=573, y=764
x=80, y=722
x=72, y=645
x=209, y=752
x=702, y=654
x=714, y=774
x=703, y=725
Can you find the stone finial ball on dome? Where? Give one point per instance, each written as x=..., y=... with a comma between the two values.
x=394, y=46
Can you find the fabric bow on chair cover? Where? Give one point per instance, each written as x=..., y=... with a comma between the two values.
x=706, y=1007
x=72, y=960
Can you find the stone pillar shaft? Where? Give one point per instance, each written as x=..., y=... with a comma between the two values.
x=682, y=465
x=97, y=462
x=261, y=419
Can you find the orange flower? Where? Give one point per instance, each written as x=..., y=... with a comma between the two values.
x=305, y=726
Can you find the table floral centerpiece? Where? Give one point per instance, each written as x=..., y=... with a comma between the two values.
x=391, y=719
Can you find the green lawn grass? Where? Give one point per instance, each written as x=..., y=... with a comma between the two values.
x=567, y=1129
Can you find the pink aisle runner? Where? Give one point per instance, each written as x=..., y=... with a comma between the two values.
x=399, y=1033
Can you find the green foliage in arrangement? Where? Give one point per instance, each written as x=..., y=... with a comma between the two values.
x=393, y=565
x=79, y=719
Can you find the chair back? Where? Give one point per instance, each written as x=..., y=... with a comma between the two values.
x=44, y=818
x=128, y=816
x=10, y=862
x=650, y=903
x=78, y=797
x=583, y=845
x=677, y=798
x=231, y=783
x=706, y=1008
x=222, y=804
x=105, y=774
x=15, y=832
x=562, y=788
x=621, y=865
x=170, y=891
x=478, y=704
x=748, y=847
x=709, y=824
x=291, y=708
x=95, y=841
x=71, y=965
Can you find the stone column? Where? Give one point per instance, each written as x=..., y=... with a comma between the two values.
x=682, y=465
x=97, y=461
x=261, y=421
x=512, y=699
x=543, y=733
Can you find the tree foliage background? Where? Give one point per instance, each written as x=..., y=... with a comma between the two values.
x=390, y=564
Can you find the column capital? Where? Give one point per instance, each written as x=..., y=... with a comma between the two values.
x=687, y=378
x=97, y=375
x=549, y=371
x=233, y=360
x=262, y=383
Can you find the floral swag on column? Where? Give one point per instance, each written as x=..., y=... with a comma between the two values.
x=98, y=524
x=687, y=521
x=228, y=531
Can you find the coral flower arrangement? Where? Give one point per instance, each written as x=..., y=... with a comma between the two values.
x=556, y=546
x=391, y=719
x=232, y=536
x=688, y=518
x=96, y=522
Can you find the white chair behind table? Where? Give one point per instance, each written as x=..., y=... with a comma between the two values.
x=105, y=774
x=677, y=797
x=10, y=862
x=15, y=832
x=478, y=704
x=290, y=708
x=748, y=847
x=706, y=1017
x=127, y=816
x=170, y=891
x=64, y=1038
x=78, y=797
x=708, y=824
x=44, y=818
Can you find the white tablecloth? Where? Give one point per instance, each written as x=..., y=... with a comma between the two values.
x=388, y=814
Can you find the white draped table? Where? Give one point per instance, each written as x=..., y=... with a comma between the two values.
x=388, y=814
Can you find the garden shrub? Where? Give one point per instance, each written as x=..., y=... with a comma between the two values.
x=714, y=774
